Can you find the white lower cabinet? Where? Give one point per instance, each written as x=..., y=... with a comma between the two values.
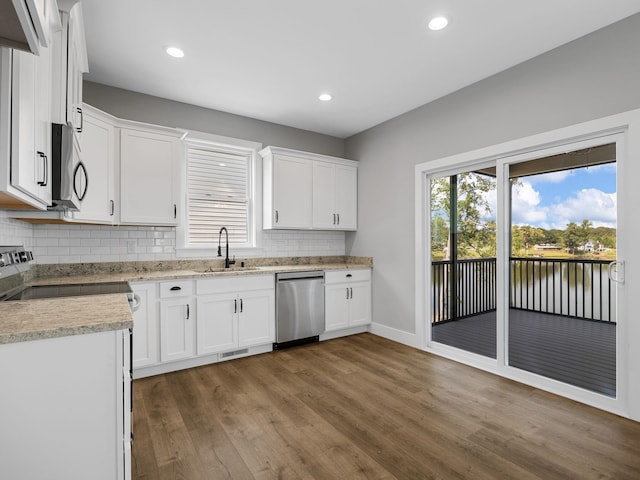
x=184, y=323
x=65, y=408
x=177, y=320
x=217, y=323
x=235, y=313
x=347, y=298
x=146, y=350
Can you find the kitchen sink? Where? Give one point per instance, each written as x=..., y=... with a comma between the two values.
x=232, y=269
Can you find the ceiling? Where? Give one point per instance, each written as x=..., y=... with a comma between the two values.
x=270, y=59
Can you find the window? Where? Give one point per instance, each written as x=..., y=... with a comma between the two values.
x=219, y=193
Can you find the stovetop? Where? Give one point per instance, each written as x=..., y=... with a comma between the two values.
x=68, y=290
x=15, y=259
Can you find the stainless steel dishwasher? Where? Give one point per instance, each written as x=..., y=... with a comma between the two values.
x=299, y=308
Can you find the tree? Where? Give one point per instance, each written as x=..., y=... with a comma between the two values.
x=474, y=234
x=584, y=231
x=572, y=237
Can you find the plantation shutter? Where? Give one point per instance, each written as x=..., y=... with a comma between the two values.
x=217, y=185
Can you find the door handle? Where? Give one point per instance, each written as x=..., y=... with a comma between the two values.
x=615, y=270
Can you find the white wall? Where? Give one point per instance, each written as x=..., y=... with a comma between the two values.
x=592, y=77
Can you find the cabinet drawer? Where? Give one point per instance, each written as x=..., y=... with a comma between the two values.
x=345, y=276
x=234, y=284
x=176, y=288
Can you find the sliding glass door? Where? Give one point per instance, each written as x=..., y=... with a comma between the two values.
x=562, y=254
x=523, y=264
x=463, y=261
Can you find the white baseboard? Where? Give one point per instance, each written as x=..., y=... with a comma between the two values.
x=400, y=336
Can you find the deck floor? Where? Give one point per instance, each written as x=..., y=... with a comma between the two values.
x=578, y=352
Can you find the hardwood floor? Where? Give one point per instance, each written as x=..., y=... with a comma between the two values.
x=366, y=407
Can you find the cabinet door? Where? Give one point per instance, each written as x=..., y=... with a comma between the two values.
x=324, y=208
x=97, y=144
x=336, y=306
x=256, y=318
x=176, y=329
x=31, y=154
x=145, y=326
x=148, y=177
x=217, y=328
x=359, y=304
x=74, y=74
x=346, y=197
x=292, y=192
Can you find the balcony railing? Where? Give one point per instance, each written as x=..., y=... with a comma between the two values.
x=574, y=288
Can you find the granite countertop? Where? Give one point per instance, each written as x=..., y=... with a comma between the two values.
x=140, y=276
x=27, y=320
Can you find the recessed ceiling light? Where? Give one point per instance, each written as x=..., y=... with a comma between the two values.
x=325, y=97
x=174, y=52
x=438, y=23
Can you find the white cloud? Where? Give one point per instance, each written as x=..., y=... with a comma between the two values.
x=589, y=203
x=525, y=205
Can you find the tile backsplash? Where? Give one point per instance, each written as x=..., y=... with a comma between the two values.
x=14, y=232
x=90, y=243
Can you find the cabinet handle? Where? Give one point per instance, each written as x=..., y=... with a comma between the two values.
x=79, y=129
x=241, y=306
x=188, y=311
x=347, y=293
x=350, y=292
x=80, y=166
x=334, y=218
x=175, y=211
x=113, y=207
x=175, y=289
x=235, y=305
x=349, y=275
x=45, y=173
x=338, y=215
x=276, y=216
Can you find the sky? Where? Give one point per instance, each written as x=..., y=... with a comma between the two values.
x=552, y=200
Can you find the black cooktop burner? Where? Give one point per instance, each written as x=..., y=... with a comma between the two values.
x=70, y=290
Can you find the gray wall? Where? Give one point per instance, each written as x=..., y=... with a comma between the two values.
x=146, y=108
x=592, y=77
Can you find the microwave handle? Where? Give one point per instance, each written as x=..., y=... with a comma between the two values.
x=82, y=194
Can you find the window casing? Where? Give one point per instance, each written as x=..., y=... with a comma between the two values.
x=219, y=192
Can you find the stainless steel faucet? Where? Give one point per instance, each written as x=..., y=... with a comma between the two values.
x=227, y=262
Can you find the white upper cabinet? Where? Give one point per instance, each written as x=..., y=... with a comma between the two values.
x=25, y=120
x=26, y=24
x=98, y=147
x=307, y=191
x=335, y=196
x=149, y=176
x=69, y=64
x=291, y=193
